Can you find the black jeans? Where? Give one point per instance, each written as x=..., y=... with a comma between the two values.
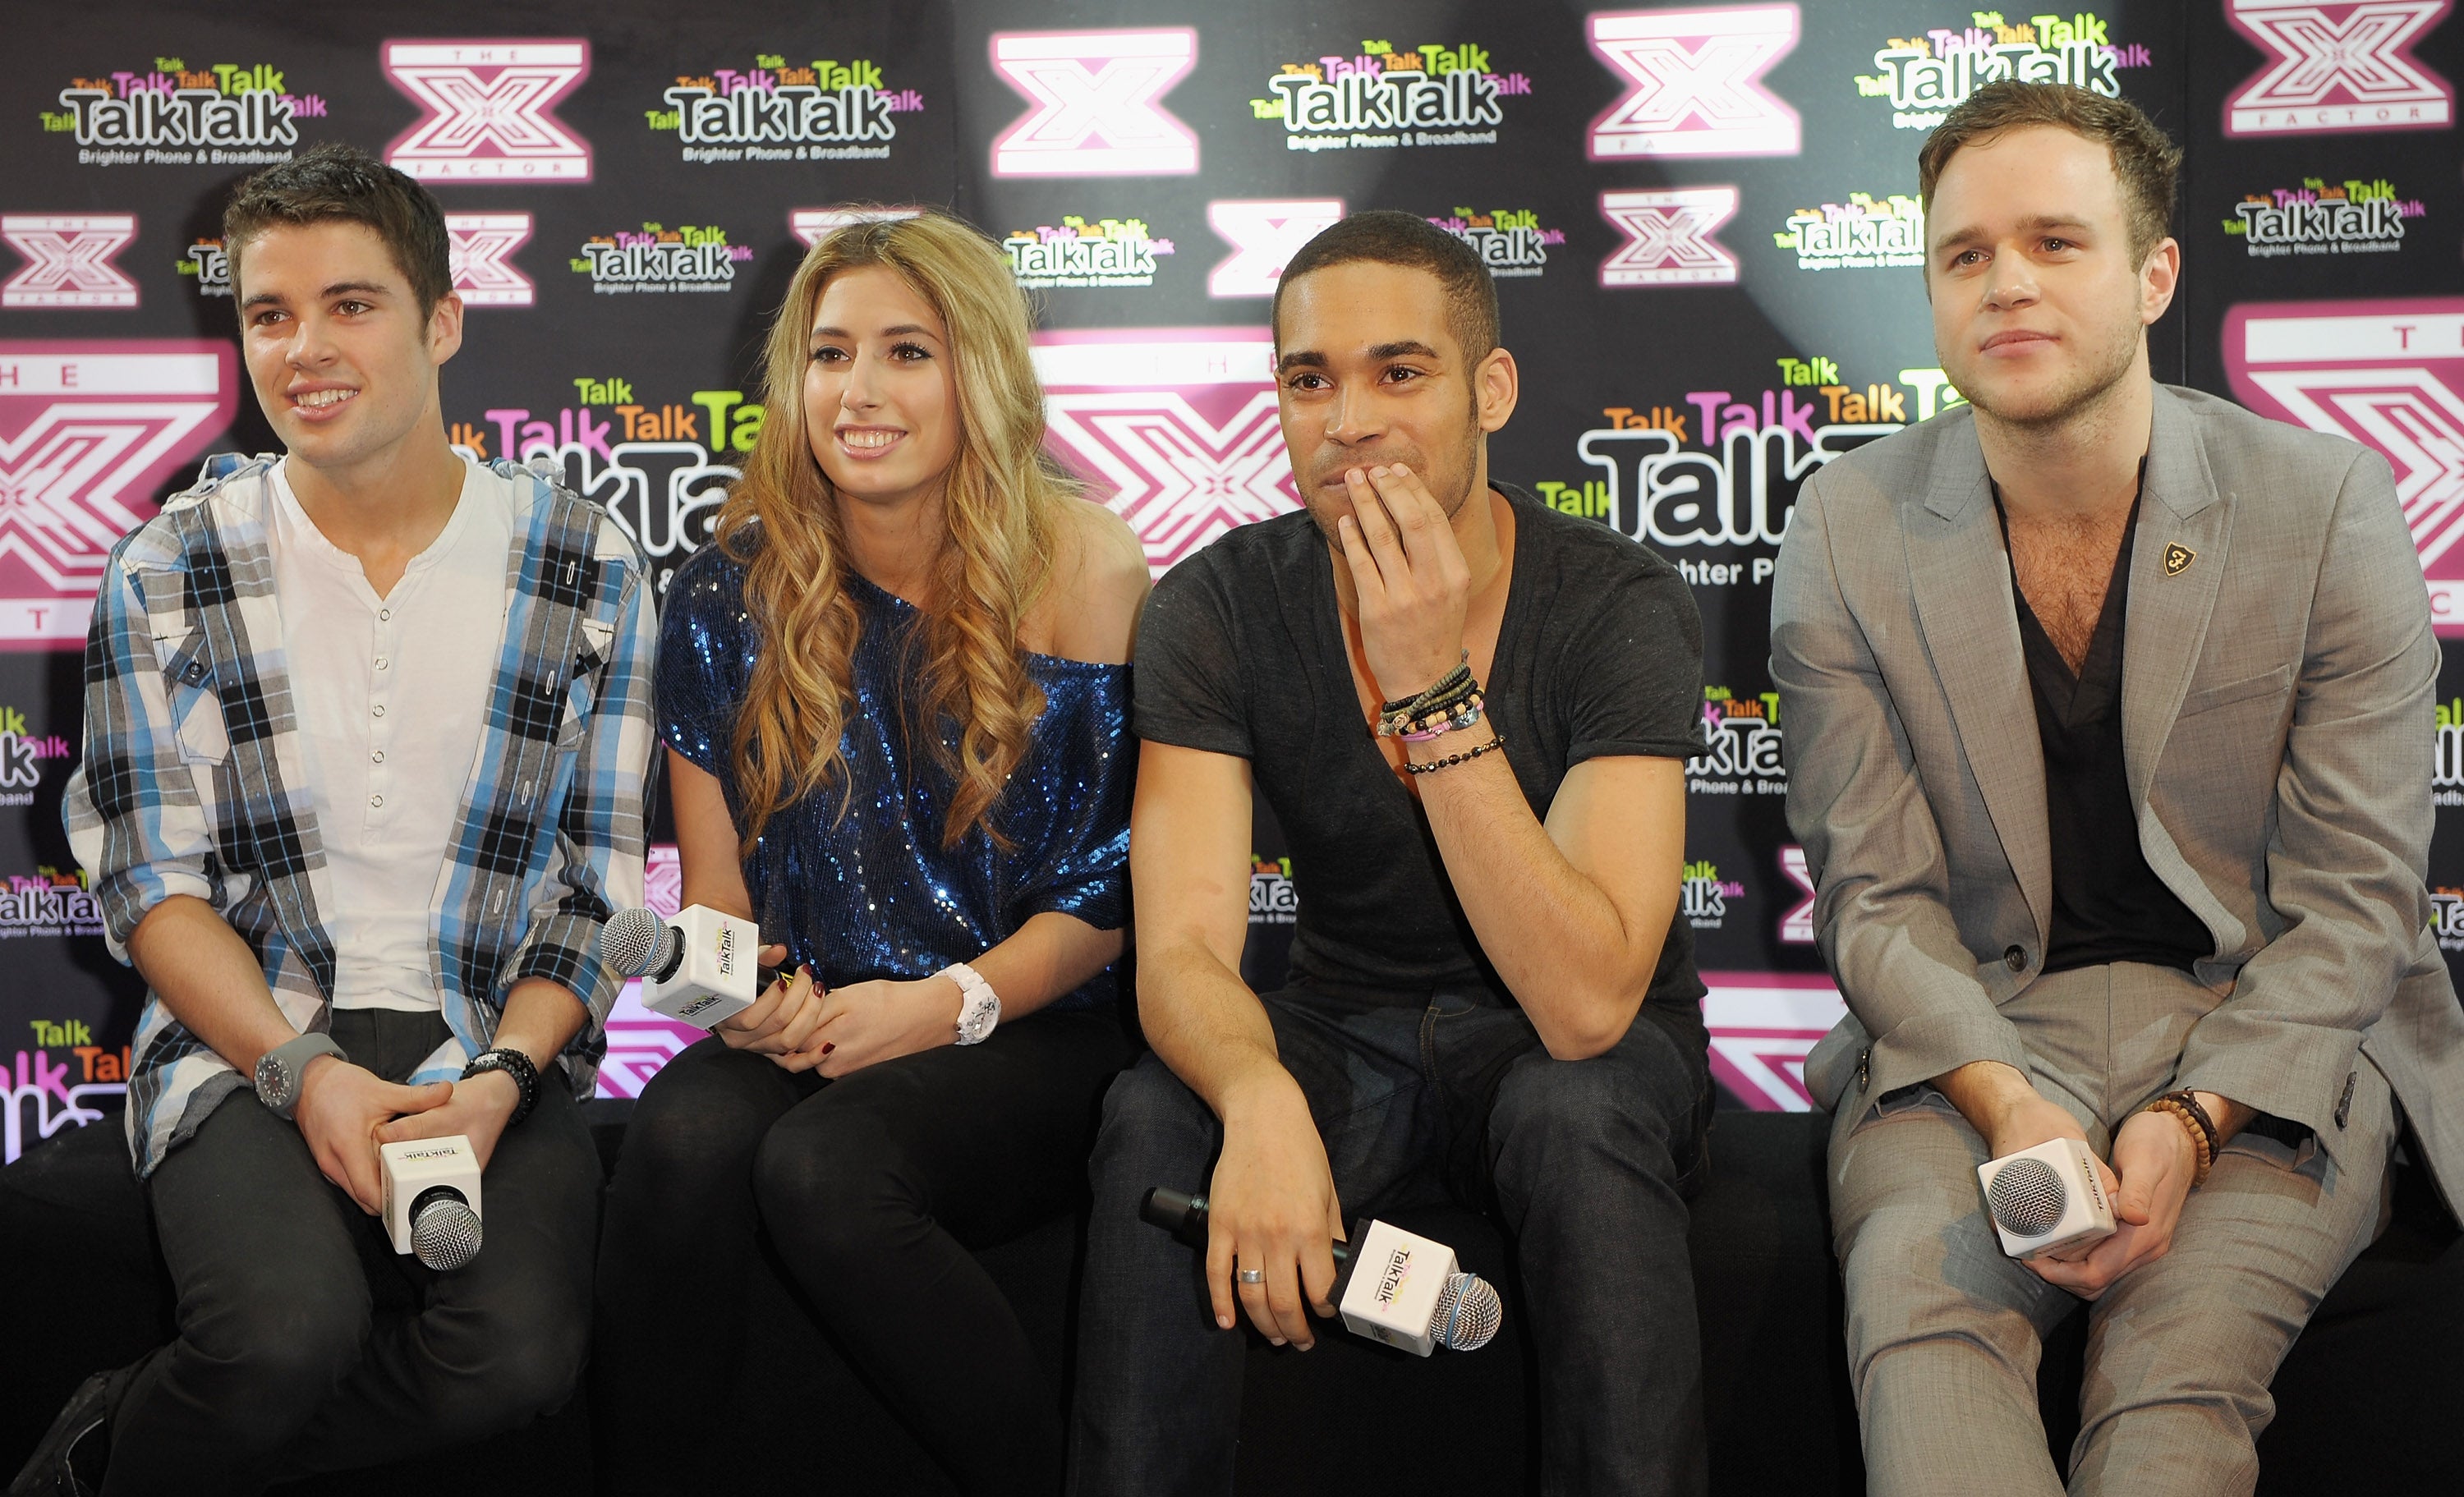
x=874, y=1188
x=285, y=1364
x=1588, y=1162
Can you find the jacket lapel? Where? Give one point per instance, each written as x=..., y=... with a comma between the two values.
x=2177, y=564
x=1960, y=579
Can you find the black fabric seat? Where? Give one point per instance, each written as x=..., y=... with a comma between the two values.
x=2368, y=1397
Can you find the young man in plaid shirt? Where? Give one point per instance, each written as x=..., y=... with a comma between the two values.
x=366, y=729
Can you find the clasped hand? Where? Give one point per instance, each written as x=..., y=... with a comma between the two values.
x=2154, y=1166
x=1410, y=575
x=804, y=1026
x=345, y=1110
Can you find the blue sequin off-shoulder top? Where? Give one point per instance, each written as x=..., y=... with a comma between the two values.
x=874, y=893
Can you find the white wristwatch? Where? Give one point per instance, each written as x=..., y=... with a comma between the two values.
x=981, y=1008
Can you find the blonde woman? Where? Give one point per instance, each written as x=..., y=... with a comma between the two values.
x=895, y=699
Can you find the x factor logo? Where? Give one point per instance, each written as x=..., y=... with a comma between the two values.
x=2339, y=65
x=2390, y=376
x=480, y=244
x=1264, y=233
x=487, y=104
x=1095, y=98
x=1763, y=1025
x=1668, y=237
x=68, y=260
x=1695, y=82
x=811, y=225
x=88, y=432
x=1174, y=427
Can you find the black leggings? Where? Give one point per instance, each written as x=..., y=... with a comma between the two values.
x=874, y=1188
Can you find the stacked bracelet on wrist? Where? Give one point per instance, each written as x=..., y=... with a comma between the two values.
x=1451, y=760
x=2194, y=1120
x=1454, y=703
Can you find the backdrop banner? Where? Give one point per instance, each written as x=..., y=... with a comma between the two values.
x=1703, y=219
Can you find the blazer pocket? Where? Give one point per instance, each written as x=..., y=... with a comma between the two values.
x=197, y=707
x=2267, y=683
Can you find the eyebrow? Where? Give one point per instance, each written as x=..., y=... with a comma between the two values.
x=1378, y=353
x=900, y=331
x=2036, y=223
x=340, y=288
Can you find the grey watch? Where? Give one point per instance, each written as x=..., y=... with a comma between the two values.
x=279, y=1069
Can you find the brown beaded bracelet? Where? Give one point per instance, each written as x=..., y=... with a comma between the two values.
x=2194, y=1119
x=1464, y=757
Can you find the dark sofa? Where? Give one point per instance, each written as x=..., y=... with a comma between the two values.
x=2368, y=1400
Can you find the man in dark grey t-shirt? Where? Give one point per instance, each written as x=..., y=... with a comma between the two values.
x=1492, y=997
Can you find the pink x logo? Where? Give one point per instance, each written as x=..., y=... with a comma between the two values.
x=1263, y=234
x=88, y=432
x=2339, y=66
x=488, y=103
x=1176, y=429
x=68, y=260
x=480, y=244
x=1094, y=98
x=1695, y=82
x=1669, y=239
x=2388, y=375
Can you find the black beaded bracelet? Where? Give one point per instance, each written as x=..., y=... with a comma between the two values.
x=514, y=1064
x=1451, y=760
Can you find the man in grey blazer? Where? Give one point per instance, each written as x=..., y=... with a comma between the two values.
x=2110, y=725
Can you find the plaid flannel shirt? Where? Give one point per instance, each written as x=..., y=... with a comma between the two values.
x=192, y=780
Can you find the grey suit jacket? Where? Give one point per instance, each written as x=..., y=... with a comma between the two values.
x=2278, y=727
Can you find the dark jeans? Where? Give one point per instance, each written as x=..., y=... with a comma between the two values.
x=874, y=1189
x=1587, y=1162
x=284, y=1366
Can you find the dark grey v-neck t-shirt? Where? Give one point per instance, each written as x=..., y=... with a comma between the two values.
x=1241, y=652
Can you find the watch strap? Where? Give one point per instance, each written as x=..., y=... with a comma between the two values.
x=281, y=1068
x=514, y=1064
x=978, y=1006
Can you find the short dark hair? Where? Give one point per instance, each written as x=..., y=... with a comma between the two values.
x=341, y=184
x=2143, y=157
x=1387, y=236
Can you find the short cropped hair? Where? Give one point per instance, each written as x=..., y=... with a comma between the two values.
x=1387, y=236
x=341, y=184
x=2143, y=157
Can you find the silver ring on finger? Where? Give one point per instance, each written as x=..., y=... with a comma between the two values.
x=1253, y=1276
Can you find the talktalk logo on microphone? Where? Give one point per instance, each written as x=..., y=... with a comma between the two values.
x=2389, y=374
x=89, y=431
x=1175, y=429
x=1694, y=82
x=1265, y=235
x=68, y=260
x=2337, y=67
x=489, y=110
x=480, y=243
x=1095, y=103
x=1390, y=1280
x=1668, y=237
x=723, y=946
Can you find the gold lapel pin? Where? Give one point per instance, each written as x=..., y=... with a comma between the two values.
x=2178, y=558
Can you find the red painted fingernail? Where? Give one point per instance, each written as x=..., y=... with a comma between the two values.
x=827, y=1047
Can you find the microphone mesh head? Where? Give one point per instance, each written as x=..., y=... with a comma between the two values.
x=629, y=941
x=1468, y=1314
x=445, y=1234
x=2027, y=1197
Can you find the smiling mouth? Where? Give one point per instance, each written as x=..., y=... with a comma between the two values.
x=320, y=400
x=868, y=439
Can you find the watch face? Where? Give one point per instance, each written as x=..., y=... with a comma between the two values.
x=273, y=1081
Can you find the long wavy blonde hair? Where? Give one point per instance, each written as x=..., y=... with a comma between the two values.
x=1002, y=499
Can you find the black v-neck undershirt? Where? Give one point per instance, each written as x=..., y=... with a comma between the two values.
x=2108, y=904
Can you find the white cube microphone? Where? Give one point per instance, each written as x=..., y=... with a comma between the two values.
x=2046, y=1199
x=432, y=1198
x=698, y=968
x=1390, y=1286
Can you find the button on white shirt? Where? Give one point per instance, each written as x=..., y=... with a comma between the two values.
x=391, y=695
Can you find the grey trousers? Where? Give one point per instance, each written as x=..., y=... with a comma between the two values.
x=1943, y=1331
